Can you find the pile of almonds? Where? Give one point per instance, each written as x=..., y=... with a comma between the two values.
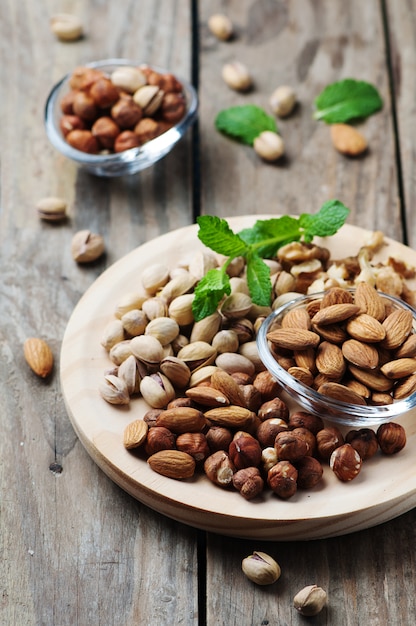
x=212, y=405
x=111, y=113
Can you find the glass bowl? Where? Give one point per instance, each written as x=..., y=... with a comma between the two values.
x=121, y=163
x=330, y=409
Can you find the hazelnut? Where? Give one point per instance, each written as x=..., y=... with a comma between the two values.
x=219, y=438
x=310, y=600
x=268, y=458
x=237, y=76
x=310, y=472
x=274, y=408
x=302, y=419
x=345, y=462
x=282, y=479
x=105, y=130
x=126, y=113
x=151, y=416
x=248, y=482
x=290, y=447
x=71, y=122
x=242, y=378
x=364, y=441
x=166, y=82
x=269, y=145
x=67, y=102
x=391, y=438
x=244, y=451
x=307, y=436
x=221, y=26
x=261, y=568
x=194, y=444
x=267, y=431
x=104, y=93
x=173, y=107
x=327, y=440
x=129, y=79
x=267, y=385
x=283, y=100
x=146, y=130
x=84, y=106
x=219, y=468
x=159, y=438
x=83, y=77
x=82, y=140
x=180, y=402
x=126, y=140
x=251, y=396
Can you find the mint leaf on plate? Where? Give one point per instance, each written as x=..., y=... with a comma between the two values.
x=208, y=293
x=215, y=233
x=326, y=222
x=258, y=280
x=347, y=100
x=244, y=122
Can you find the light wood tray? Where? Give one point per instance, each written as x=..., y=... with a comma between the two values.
x=385, y=488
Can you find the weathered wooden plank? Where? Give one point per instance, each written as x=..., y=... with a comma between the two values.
x=75, y=549
x=400, y=18
x=306, y=45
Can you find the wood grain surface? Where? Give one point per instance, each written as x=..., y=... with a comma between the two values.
x=75, y=549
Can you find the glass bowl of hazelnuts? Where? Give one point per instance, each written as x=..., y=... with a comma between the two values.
x=117, y=117
x=347, y=355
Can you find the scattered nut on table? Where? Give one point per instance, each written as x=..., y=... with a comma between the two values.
x=310, y=600
x=221, y=26
x=261, y=568
x=237, y=76
x=348, y=140
x=283, y=100
x=51, y=209
x=86, y=246
x=66, y=27
x=269, y=146
x=38, y=356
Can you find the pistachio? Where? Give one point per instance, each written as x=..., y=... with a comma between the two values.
x=202, y=375
x=180, y=309
x=176, y=370
x=51, y=209
x=249, y=351
x=154, y=277
x=113, y=333
x=129, y=79
x=86, y=246
x=148, y=350
x=120, y=351
x=149, y=98
x=177, y=286
x=164, y=329
x=310, y=600
x=237, y=76
x=225, y=341
x=134, y=322
x=206, y=329
x=132, y=300
x=114, y=390
x=157, y=390
x=154, y=308
x=236, y=305
x=201, y=263
x=269, y=145
x=261, y=568
x=66, y=27
x=197, y=354
x=221, y=26
x=283, y=100
x=129, y=371
x=231, y=362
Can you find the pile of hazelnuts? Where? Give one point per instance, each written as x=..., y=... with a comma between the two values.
x=109, y=113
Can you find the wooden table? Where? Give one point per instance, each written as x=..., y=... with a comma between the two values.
x=76, y=549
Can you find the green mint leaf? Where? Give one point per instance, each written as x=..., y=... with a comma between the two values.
x=258, y=280
x=217, y=235
x=208, y=293
x=326, y=222
x=269, y=235
x=244, y=122
x=347, y=100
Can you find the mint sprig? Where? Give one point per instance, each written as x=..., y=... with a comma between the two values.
x=244, y=123
x=261, y=241
x=347, y=100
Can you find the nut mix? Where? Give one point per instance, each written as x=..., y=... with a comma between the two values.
x=214, y=408
x=103, y=113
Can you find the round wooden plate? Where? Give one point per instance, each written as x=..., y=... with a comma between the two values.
x=385, y=488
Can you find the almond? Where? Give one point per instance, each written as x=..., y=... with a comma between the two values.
x=370, y=301
x=373, y=379
x=305, y=358
x=225, y=383
x=335, y=313
x=302, y=374
x=336, y=295
x=399, y=368
x=361, y=354
x=334, y=333
x=231, y=416
x=135, y=434
x=38, y=356
x=405, y=387
x=358, y=387
x=397, y=327
x=291, y=339
x=348, y=140
x=330, y=360
x=172, y=463
x=336, y=391
x=182, y=420
x=297, y=318
x=365, y=328
x=207, y=396
x=408, y=348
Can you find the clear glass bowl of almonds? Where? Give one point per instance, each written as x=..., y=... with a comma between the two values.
x=348, y=355
x=117, y=117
